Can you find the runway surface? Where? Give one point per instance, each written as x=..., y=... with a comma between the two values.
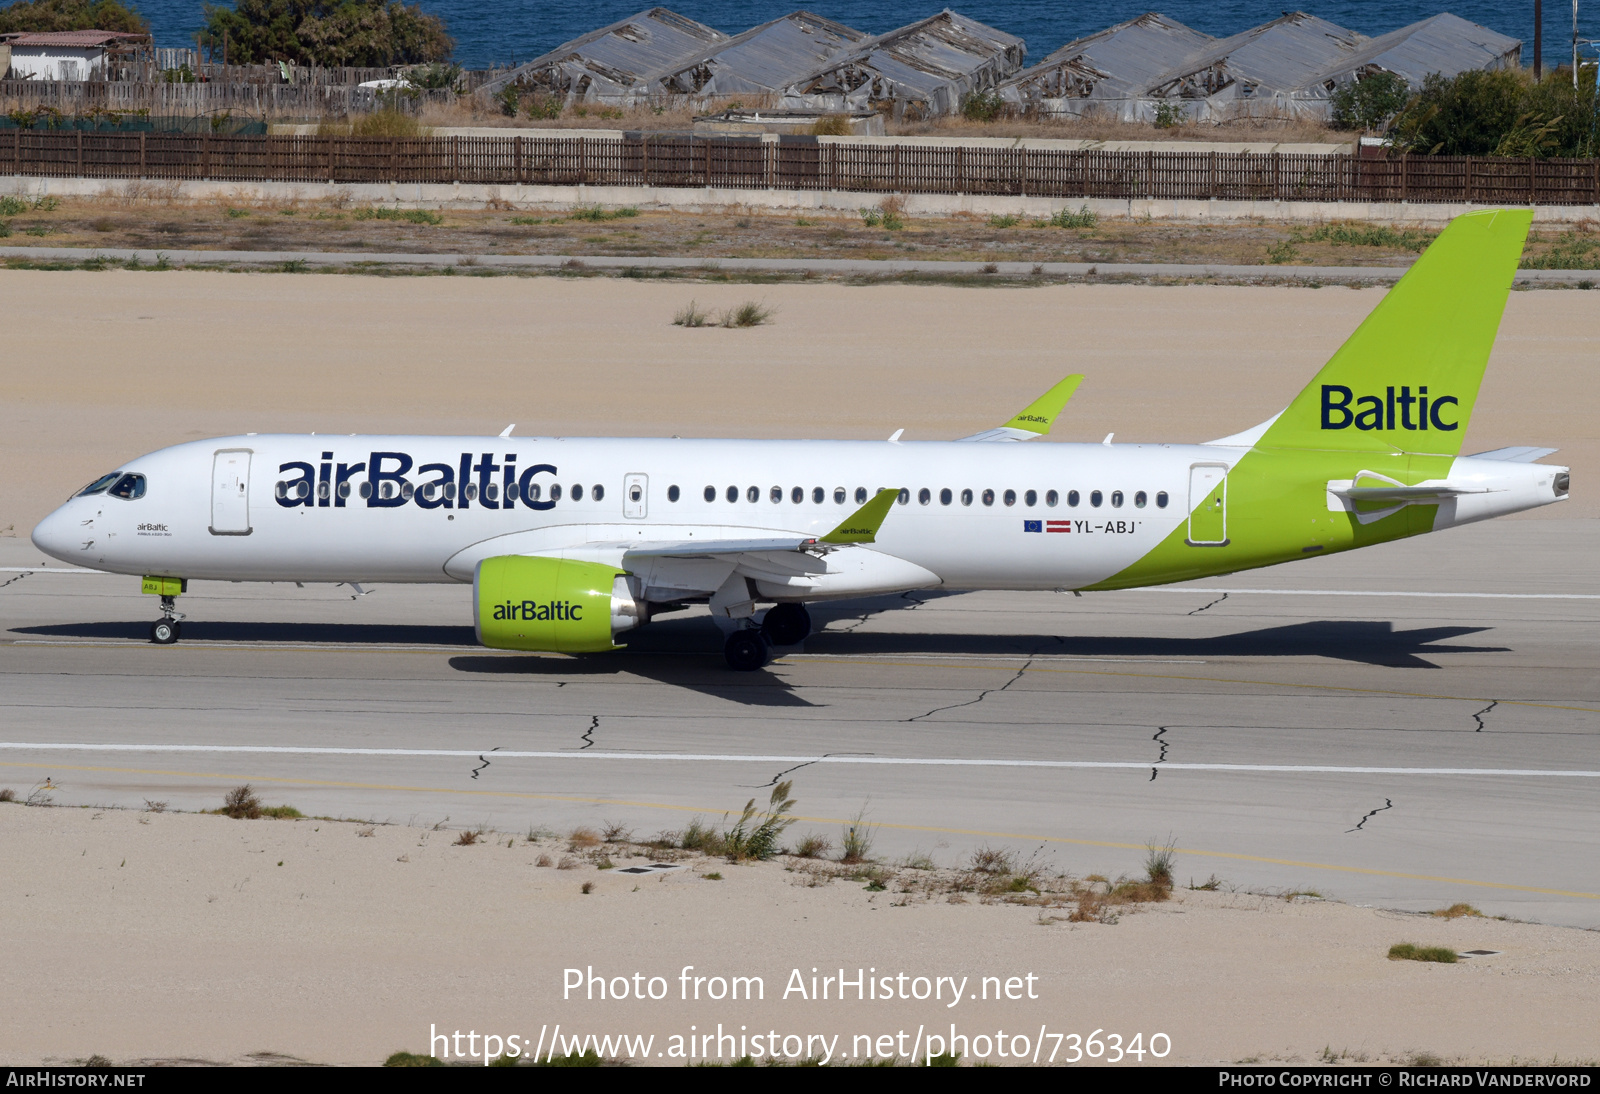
x=1409, y=726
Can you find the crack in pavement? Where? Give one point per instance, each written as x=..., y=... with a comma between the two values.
x=915, y=604
x=588, y=734
x=982, y=695
x=1478, y=717
x=1163, y=757
x=485, y=762
x=1388, y=803
x=1213, y=604
x=16, y=579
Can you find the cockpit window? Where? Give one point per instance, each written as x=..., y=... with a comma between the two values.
x=99, y=484
x=128, y=487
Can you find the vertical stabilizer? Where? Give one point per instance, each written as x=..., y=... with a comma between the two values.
x=1407, y=379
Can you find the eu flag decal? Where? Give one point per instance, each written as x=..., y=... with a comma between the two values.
x=1033, y=526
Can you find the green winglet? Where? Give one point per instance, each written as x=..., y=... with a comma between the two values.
x=862, y=525
x=1039, y=415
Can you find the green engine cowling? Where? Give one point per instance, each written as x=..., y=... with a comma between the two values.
x=524, y=602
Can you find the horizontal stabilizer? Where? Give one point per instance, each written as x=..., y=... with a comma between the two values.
x=1035, y=419
x=1515, y=454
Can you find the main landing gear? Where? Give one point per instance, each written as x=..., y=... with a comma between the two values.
x=168, y=629
x=785, y=625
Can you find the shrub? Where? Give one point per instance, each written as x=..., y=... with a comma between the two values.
x=1009, y=220
x=543, y=107
x=691, y=316
x=586, y=888
x=1504, y=112
x=811, y=844
x=436, y=76
x=1170, y=115
x=1158, y=861
x=282, y=812
x=982, y=106
x=467, y=838
x=1281, y=252
x=241, y=803
x=856, y=844
x=756, y=836
x=1410, y=951
x=411, y=1059
x=1370, y=101
x=581, y=839
x=1083, y=218
x=1456, y=911
x=386, y=123
x=8, y=795
x=991, y=860
x=410, y=216
x=748, y=314
x=596, y=213
x=831, y=125
x=1355, y=234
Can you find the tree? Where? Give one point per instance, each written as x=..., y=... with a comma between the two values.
x=1370, y=100
x=48, y=15
x=1504, y=112
x=361, y=33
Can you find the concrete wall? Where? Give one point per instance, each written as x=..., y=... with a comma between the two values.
x=705, y=200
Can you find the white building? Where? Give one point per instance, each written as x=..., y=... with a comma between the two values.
x=64, y=54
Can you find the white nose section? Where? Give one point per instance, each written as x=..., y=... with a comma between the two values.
x=54, y=535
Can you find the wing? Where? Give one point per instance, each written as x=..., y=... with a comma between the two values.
x=1035, y=419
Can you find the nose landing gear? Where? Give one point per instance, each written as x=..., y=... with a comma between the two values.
x=168, y=629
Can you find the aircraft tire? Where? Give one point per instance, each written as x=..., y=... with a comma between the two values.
x=787, y=624
x=164, y=632
x=745, y=651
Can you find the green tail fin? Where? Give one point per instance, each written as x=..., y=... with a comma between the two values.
x=1407, y=379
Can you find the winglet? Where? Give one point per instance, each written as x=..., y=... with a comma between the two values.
x=862, y=525
x=1039, y=415
x=1035, y=419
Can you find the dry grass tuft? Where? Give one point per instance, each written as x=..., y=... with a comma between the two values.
x=856, y=844
x=586, y=888
x=692, y=316
x=467, y=838
x=812, y=845
x=1457, y=911
x=568, y=863
x=991, y=860
x=153, y=806
x=749, y=314
x=581, y=839
x=8, y=795
x=544, y=860
x=616, y=832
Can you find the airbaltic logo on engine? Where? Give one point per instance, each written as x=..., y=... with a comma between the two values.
x=530, y=611
x=1378, y=412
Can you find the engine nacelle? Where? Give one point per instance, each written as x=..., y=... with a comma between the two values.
x=528, y=602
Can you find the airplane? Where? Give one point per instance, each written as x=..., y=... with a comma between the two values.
x=570, y=543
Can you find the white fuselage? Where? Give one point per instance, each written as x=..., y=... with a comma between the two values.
x=995, y=516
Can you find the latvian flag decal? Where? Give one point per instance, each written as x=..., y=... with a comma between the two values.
x=1058, y=526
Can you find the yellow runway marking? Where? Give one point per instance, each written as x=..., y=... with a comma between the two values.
x=1234, y=855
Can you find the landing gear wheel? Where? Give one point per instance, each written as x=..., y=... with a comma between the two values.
x=745, y=651
x=164, y=632
x=787, y=624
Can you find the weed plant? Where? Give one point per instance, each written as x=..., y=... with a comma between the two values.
x=241, y=803
x=756, y=836
x=1410, y=951
x=410, y=216
x=692, y=316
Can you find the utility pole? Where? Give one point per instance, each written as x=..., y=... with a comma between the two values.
x=1574, y=45
x=1538, y=39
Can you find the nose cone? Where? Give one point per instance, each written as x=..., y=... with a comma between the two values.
x=54, y=535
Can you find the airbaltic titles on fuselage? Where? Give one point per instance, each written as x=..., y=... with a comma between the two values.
x=1377, y=412
x=473, y=480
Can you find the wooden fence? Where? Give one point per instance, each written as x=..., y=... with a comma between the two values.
x=256, y=98
x=801, y=164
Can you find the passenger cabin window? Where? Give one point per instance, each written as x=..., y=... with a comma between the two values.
x=988, y=497
x=99, y=484
x=711, y=493
x=1161, y=499
x=945, y=497
x=1051, y=497
x=838, y=495
x=598, y=492
x=924, y=496
x=753, y=494
x=1011, y=497
x=129, y=487
x=733, y=493
x=775, y=494
x=1140, y=499
x=577, y=492
x=535, y=492
x=1031, y=498
x=492, y=491
x=1095, y=498
x=861, y=495
x=817, y=495
x=366, y=490
x=905, y=496
x=672, y=493
x=555, y=492
x=1072, y=499
x=797, y=495
x=1116, y=499
x=966, y=497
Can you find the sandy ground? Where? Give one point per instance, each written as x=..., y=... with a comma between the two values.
x=102, y=367
x=144, y=937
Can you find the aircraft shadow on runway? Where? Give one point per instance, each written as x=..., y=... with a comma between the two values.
x=201, y=630
x=1370, y=642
